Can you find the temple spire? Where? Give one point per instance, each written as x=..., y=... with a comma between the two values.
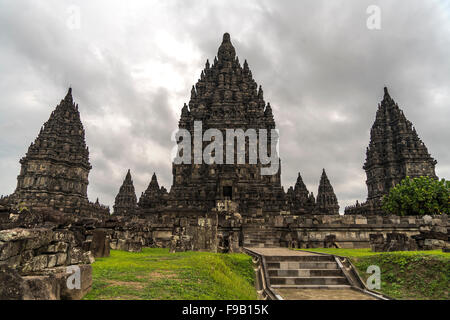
x=154, y=197
x=395, y=147
x=154, y=181
x=128, y=176
x=126, y=202
x=326, y=200
x=61, y=142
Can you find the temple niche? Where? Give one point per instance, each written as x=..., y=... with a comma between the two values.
x=395, y=151
x=54, y=172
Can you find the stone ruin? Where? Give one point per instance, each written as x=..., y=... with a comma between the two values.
x=36, y=249
x=48, y=223
x=433, y=235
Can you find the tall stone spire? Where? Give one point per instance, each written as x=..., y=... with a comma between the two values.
x=326, y=201
x=55, y=169
x=395, y=151
x=126, y=201
x=299, y=198
x=226, y=97
x=154, y=197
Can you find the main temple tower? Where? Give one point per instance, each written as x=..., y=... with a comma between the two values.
x=226, y=97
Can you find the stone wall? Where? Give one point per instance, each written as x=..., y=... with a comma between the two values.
x=349, y=231
x=221, y=231
x=36, y=249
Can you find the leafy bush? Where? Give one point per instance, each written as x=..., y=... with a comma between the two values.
x=418, y=196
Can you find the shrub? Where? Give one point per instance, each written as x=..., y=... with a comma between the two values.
x=418, y=196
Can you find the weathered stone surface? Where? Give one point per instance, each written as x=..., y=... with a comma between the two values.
x=12, y=285
x=66, y=282
x=10, y=249
x=129, y=245
x=100, y=244
x=43, y=287
x=66, y=293
x=29, y=219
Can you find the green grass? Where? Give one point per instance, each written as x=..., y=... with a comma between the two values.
x=421, y=275
x=158, y=274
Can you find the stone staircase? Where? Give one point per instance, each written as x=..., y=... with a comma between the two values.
x=260, y=237
x=305, y=272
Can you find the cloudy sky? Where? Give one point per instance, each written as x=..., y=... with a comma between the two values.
x=131, y=65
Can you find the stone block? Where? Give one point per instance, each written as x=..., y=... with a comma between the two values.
x=360, y=220
x=67, y=292
x=61, y=259
x=43, y=287
x=377, y=238
x=9, y=249
x=100, y=245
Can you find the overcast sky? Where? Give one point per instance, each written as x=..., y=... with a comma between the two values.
x=131, y=65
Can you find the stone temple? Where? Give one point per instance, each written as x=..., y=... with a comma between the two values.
x=126, y=201
x=48, y=223
x=227, y=97
x=395, y=151
x=54, y=172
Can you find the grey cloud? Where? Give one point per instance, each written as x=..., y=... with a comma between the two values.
x=321, y=69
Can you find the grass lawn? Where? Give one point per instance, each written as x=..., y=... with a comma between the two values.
x=158, y=274
x=404, y=274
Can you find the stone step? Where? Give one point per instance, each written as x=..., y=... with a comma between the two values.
x=307, y=280
x=263, y=245
x=249, y=243
x=335, y=286
x=260, y=236
x=302, y=258
x=302, y=265
x=305, y=273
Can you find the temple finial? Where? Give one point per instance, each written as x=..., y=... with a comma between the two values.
x=69, y=95
x=260, y=93
x=386, y=93
x=226, y=37
x=226, y=49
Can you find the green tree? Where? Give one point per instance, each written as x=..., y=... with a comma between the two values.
x=418, y=196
